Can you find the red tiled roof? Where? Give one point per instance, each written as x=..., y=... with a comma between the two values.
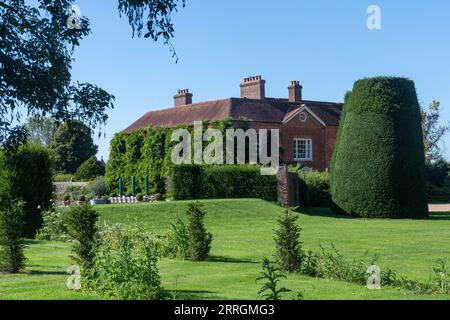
x=268, y=110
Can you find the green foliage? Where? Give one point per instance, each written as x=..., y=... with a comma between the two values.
x=41, y=130
x=98, y=187
x=177, y=242
x=90, y=169
x=433, y=131
x=72, y=145
x=12, y=215
x=61, y=177
x=199, y=239
x=221, y=181
x=126, y=266
x=287, y=238
x=82, y=226
x=75, y=192
x=317, y=186
x=272, y=275
x=378, y=167
x=53, y=227
x=437, y=172
x=31, y=181
x=441, y=276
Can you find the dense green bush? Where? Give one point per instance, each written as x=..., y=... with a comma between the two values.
x=63, y=177
x=437, y=172
x=177, y=241
x=97, y=188
x=221, y=181
x=287, y=238
x=12, y=215
x=54, y=227
x=199, y=239
x=82, y=226
x=317, y=186
x=378, y=167
x=126, y=266
x=31, y=181
x=90, y=169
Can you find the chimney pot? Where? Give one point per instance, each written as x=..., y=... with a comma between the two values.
x=183, y=98
x=295, y=91
x=253, y=88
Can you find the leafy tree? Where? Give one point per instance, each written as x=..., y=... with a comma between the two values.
x=433, y=132
x=37, y=42
x=90, y=169
x=72, y=145
x=378, y=167
x=41, y=130
x=287, y=238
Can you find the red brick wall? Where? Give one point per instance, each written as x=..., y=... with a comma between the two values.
x=323, y=140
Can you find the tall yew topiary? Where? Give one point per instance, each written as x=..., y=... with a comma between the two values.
x=378, y=167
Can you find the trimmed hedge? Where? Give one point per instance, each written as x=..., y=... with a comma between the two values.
x=221, y=182
x=317, y=185
x=378, y=167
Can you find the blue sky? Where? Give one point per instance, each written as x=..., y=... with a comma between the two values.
x=325, y=44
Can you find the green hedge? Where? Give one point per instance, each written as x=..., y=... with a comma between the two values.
x=317, y=185
x=378, y=167
x=221, y=182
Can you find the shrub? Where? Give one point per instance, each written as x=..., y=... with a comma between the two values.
x=126, y=266
x=62, y=177
x=98, y=187
x=272, y=275
x=317, y=186
x=31, y=166
x=90, y=169
x=441, y=276
x=140, y=197
x=221, y=181
x=53, y=228
x=82, y=226
x=437, y=173
x=177, y=242
x=12, y=259
x=199, y=239
x=287, y=238
x=378, y=166
x=75, y=192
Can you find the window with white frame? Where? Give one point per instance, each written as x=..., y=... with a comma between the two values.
x=302, y=150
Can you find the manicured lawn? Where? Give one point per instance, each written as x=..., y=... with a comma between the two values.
x=243, y=236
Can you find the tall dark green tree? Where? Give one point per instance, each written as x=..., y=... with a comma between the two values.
x=37, y=42
x=72, y=145
x=31, y=172
x=287, y=238
x=378, y=167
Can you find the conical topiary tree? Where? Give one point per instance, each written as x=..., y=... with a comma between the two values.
x=378, y=167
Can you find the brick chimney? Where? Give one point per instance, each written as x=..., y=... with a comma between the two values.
x=295, y=91
x=253, y=88
x=183, y=98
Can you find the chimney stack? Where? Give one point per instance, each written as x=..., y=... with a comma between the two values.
x=253, y=88
x=295, y=91
x=183, y=98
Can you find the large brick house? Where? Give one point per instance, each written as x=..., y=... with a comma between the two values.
x=308, y=129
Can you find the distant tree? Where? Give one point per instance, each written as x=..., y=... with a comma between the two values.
x=433, y=132
x=37, y=42
x=90, y=169
x=41, y=130
x=72, y=145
